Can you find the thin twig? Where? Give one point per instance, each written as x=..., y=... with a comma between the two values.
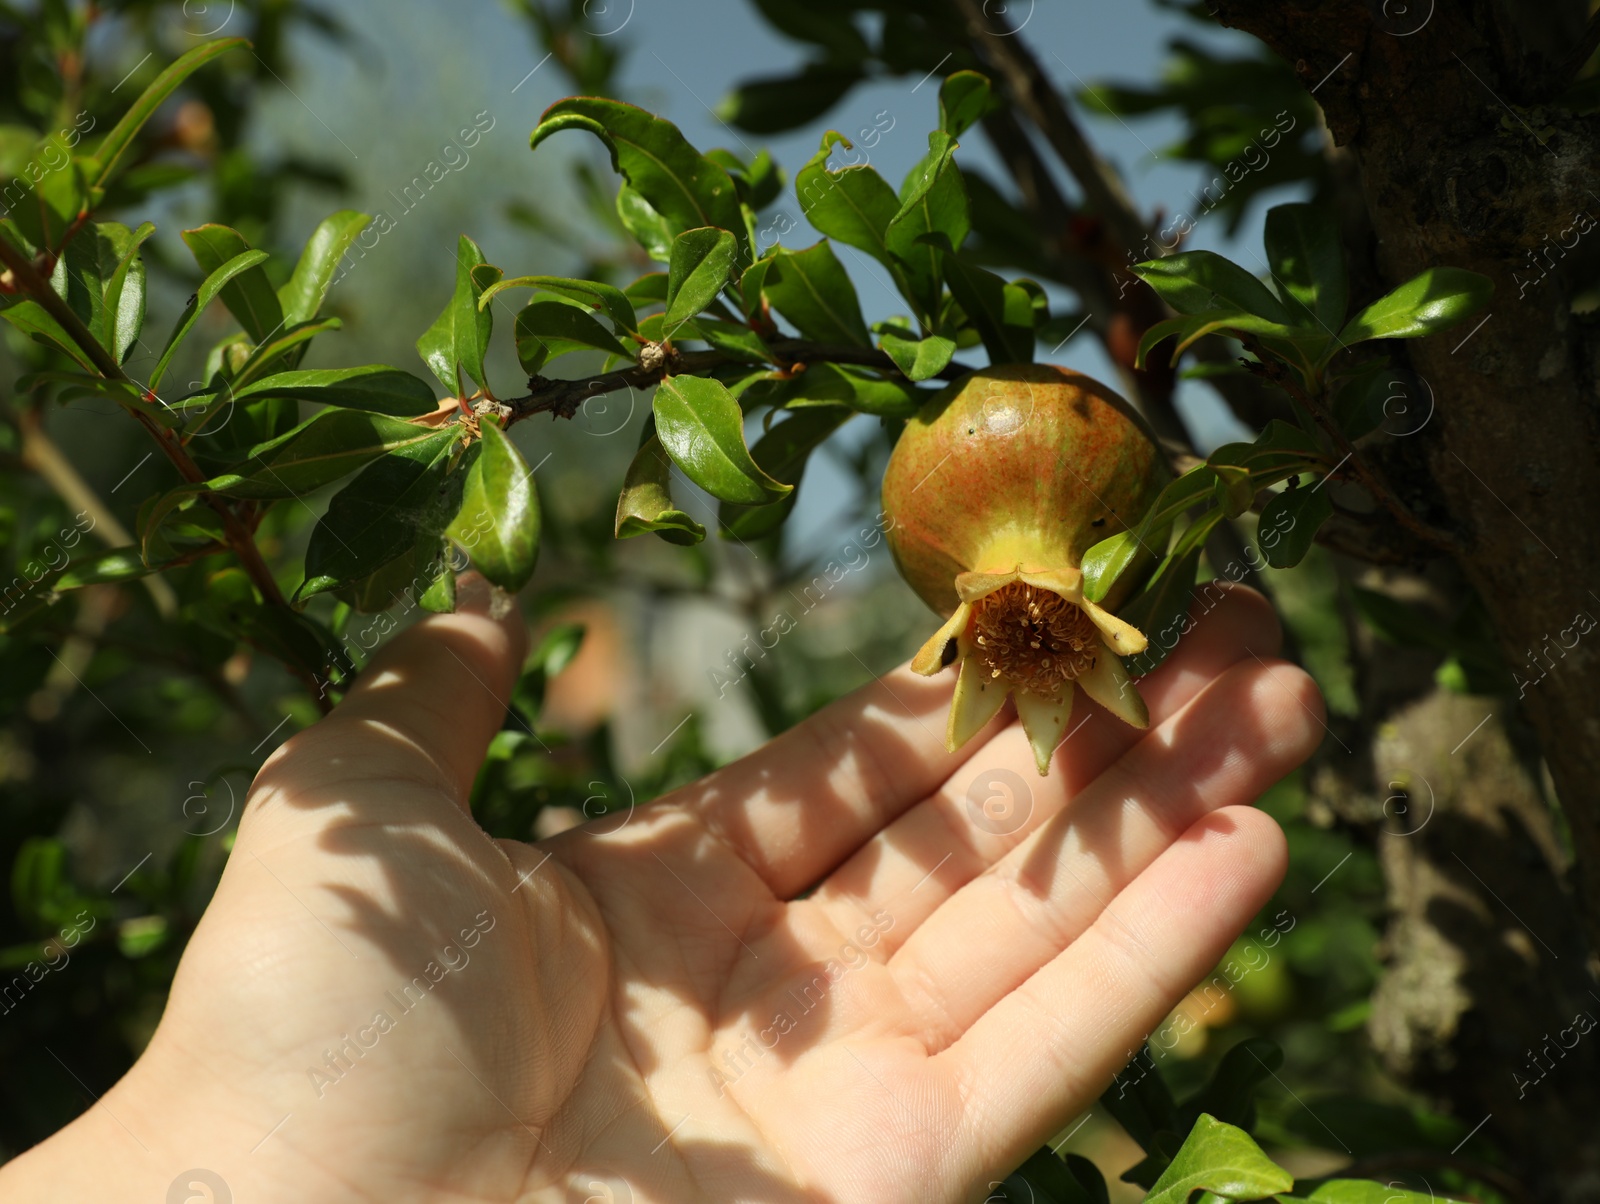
x=239, y=537
x=1359, y=468
x=563, y=398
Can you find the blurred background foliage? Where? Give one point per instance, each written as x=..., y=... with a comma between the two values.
x=132, y=724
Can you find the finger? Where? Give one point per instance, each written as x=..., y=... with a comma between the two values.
x=916, y=863
x=423, y=710
x=1051, y=1047
x=803, y=802
x=1244, y=732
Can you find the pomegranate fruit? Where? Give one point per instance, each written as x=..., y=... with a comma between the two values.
x=993, y=493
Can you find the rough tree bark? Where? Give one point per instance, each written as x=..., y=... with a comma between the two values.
x=1458, y=165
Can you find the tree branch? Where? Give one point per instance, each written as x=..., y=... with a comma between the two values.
x=563, y=398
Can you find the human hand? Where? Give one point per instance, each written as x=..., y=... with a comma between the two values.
x=381, y=1003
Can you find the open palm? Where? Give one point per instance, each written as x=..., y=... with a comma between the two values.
x=849, y=967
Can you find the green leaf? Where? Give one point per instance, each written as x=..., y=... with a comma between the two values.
x=964, y=98
x=649, y=289
x=698, y=270
x=640, y=219
x=1307, y=261
x=546, y=329
x=825, y=384
x=919, y=359
x=1289, y=524
x=1367, y=1191
x=1431, y=301
x=322, y=449
x=812, y=290
x=302, y=295
x=377, y=388
x=287, y=345
x=1195, y=281
x=679, y=183
x=1047, y=1179
x=933, y=200
x=1160, y=608
x=386, y=524
x=1280, y=450
x=645, y=503
x=249, y=295
x=774, y=104
x=214, y=283
x=57, y=196
x=35, y=321
x=460, y=333
x=109, y=153
x=123, y=299
x=1223, y=1160
x=1192, y=327
x=701, y=427
x=1107, y=560
x=853, y=205
x=603, y=298
x=498, y=523
x=118, y=564
x=1229, y=1094
x=782, y=454
x=730, y=337
x=1002, y=313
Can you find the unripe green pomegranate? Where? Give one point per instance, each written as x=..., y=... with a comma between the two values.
x=994, y=492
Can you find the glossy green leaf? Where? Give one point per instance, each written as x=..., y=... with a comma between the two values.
x=964, y=98
x=283, y=348
x=498, y=523
x=1368, y=1191
x=645, y=503
x=377, y=388
x=327, y=446
x=108, y=154
x=640, y=219
x=546, y=329
x=1280, y=449
x=214, y=283
x=1431, y=301
x=825, y=384
x=853, y=205
x=103, y=568
x=698, y=270
x=933, y=201
x=249, y=295
x=1223, y=1160
x=1001, y=313
x=388, y=522
x=302, y=295
x=35, y=321
x=782, y=454
x=730, y=337
x=1195, y=281
x=602, y=298
x=124, y=296
x=1289, y=524
x=701, y=426
x=812, y=290
x=1190, y=328
x=682, y=185
x=1306, y=257
x=460, y=334
x=919, y=359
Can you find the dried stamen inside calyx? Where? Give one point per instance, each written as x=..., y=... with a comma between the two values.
x=1034, y=638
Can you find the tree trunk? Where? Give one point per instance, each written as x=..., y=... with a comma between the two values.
x=1487, y=961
